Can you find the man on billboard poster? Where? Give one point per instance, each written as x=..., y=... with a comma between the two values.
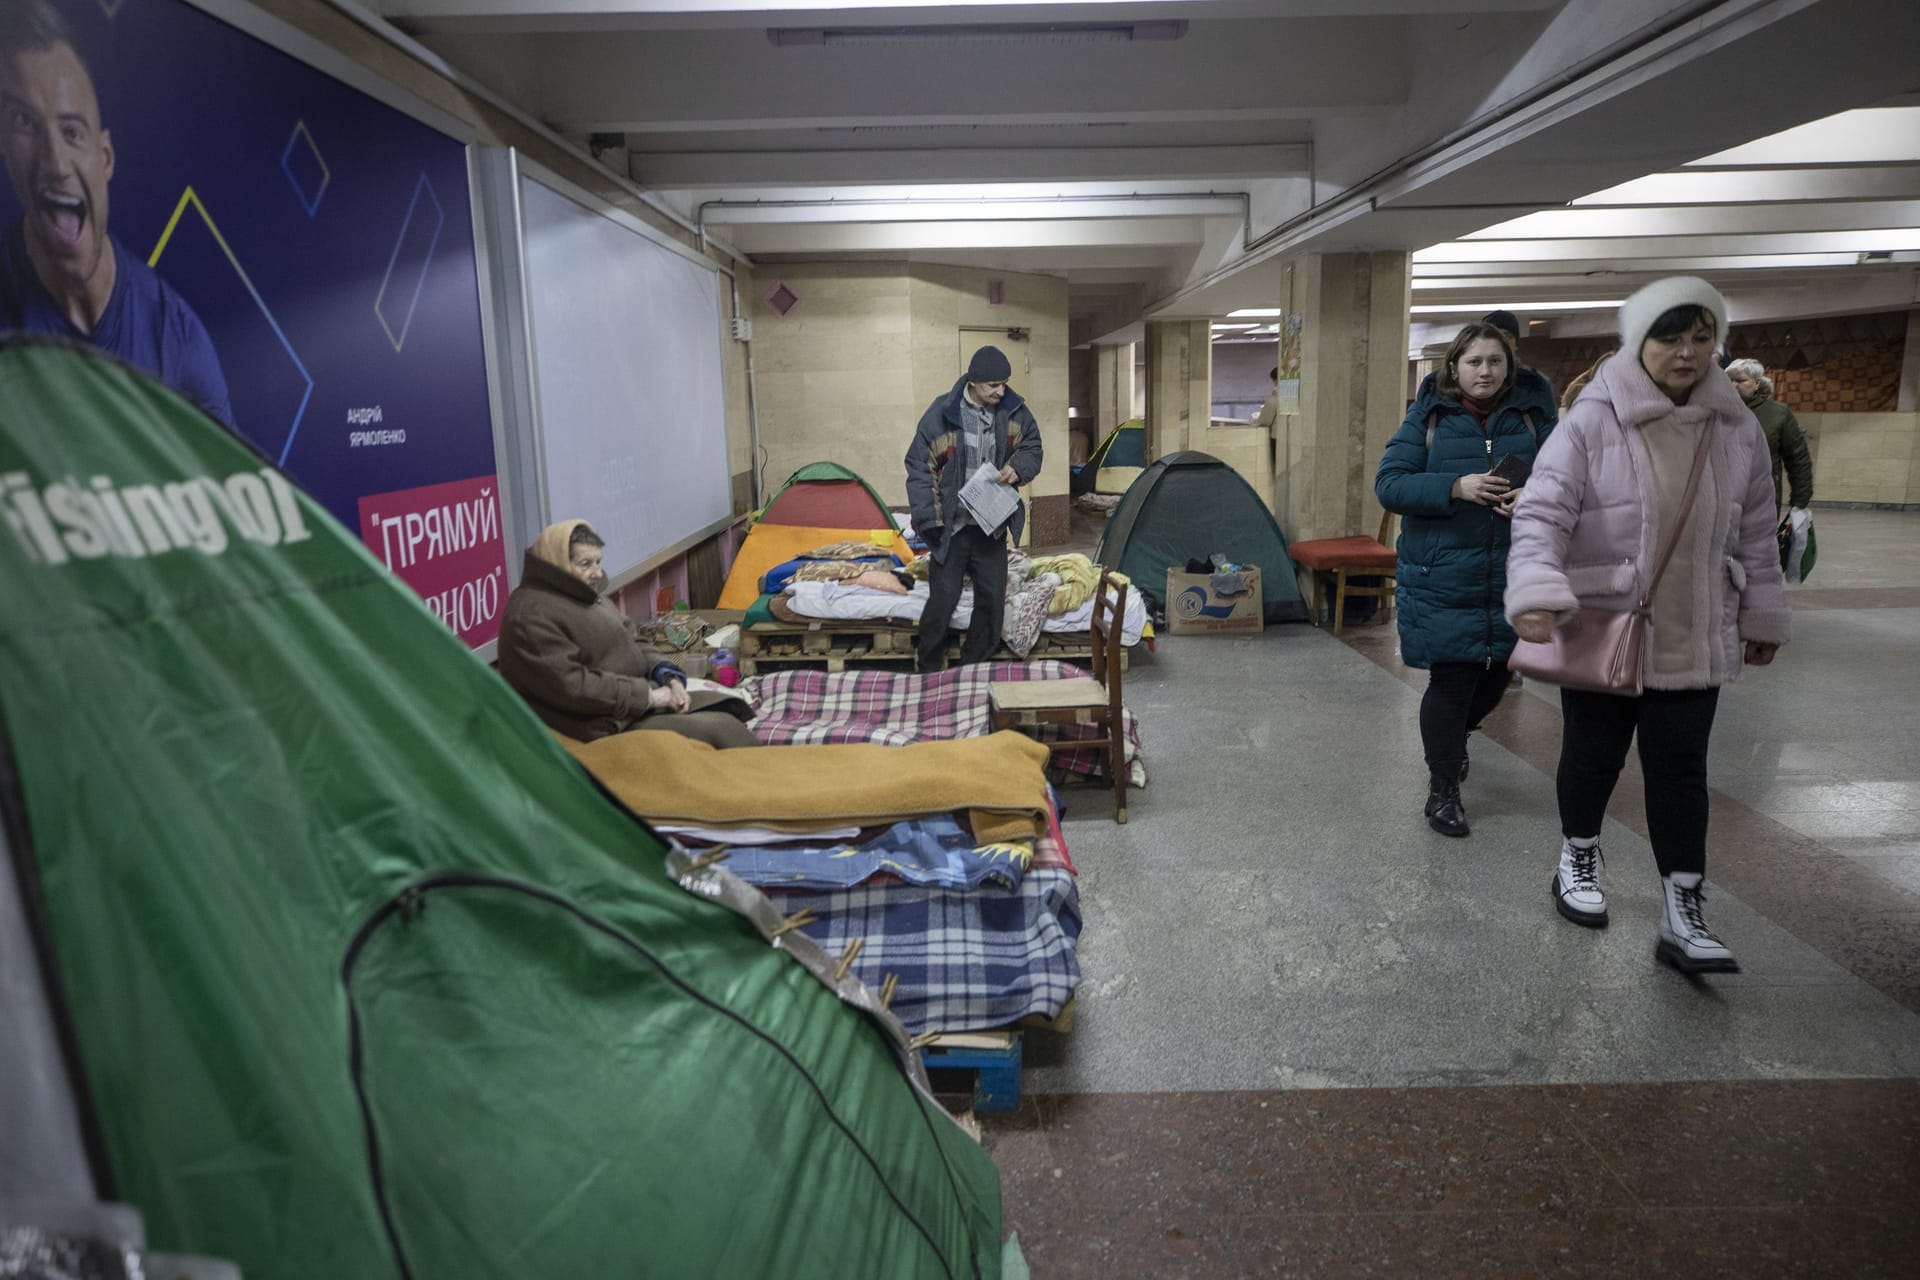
x=60, y=271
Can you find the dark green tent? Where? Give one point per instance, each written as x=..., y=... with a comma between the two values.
x=1187, y=506
x=361, y=975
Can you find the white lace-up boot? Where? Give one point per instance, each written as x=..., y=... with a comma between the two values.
x=1576, y=883
x=1685, y=941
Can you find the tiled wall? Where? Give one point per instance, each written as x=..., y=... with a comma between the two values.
x=846, y=374
x=1864, y=457
x=1249, y=451
x=833, y=380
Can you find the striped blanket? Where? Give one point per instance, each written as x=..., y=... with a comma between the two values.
x=896, y=707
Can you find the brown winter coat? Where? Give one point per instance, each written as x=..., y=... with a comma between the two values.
x=575, y=658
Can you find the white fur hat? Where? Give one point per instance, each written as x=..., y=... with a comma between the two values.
x=1638, y=313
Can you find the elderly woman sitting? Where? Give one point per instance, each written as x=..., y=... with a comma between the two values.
x=578, y=663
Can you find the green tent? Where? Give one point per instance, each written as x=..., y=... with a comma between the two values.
x=360, y=974
x=1187, y=506
x=1122, y=448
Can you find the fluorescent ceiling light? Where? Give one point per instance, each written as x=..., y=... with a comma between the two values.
x=956, y=192
x=1851, y=137
x=1620, y=222
x=1220, y=326
x=1518, y=308
x=1454, y=275
x=864, y=209
x=1762, y=186
x=1889, y=240
x=999, y=33
x=1254, y=313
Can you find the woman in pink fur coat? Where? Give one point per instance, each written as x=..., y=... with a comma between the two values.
x=1605, y=493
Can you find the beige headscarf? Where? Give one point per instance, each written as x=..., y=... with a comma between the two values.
x=555, y=543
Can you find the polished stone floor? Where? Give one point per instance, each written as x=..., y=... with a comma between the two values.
x=1316, y=1039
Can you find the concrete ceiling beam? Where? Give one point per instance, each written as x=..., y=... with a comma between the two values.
x=644, y=15
x=715, y=81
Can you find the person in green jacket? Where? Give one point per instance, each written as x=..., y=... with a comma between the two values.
x=1785, y=439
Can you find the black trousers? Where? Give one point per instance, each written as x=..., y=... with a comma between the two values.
x=970, y=554
x=1459, y=696
x=1673, y=726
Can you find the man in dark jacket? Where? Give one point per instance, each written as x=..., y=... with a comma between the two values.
x=981, y=421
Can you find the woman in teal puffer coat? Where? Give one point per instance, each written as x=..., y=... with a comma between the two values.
x=1481, y=408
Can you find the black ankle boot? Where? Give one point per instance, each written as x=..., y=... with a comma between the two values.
x=1445, y=813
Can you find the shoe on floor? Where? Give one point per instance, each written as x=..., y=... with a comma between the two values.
x=1445, y=813
x=1685, y=941
x=1576, y=885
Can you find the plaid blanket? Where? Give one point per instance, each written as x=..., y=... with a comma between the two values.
x=971, y=960
x=895, y=708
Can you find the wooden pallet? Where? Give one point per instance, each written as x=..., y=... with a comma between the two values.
x=992, y=1056
x=833, y=645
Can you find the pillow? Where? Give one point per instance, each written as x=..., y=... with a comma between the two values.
x=1027, y=614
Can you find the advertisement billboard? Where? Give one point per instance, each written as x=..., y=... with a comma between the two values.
x=287, y=251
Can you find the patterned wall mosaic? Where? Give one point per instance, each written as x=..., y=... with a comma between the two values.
x=1838, y=364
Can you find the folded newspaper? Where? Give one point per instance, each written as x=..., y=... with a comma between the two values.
x=991, y=503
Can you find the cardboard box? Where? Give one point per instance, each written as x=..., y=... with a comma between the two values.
x=1193, y=609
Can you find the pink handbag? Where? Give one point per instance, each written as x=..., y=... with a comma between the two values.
x=1602, y=650
x=1598, y=650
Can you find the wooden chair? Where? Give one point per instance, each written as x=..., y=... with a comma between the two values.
x=1337, y=558
x=1095, y=700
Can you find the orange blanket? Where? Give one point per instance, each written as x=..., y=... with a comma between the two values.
x=1000, y=779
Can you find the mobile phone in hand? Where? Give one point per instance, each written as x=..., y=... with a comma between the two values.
x=1511, y=468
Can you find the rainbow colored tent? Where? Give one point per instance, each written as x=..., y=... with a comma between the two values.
x=821, y=503
x=826, y=495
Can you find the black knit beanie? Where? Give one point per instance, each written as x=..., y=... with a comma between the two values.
x=989, y=364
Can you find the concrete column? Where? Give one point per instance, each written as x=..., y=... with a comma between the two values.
x=1112, y=387
x=1353, y=370
x=1179, y=384
x=1909, y=399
